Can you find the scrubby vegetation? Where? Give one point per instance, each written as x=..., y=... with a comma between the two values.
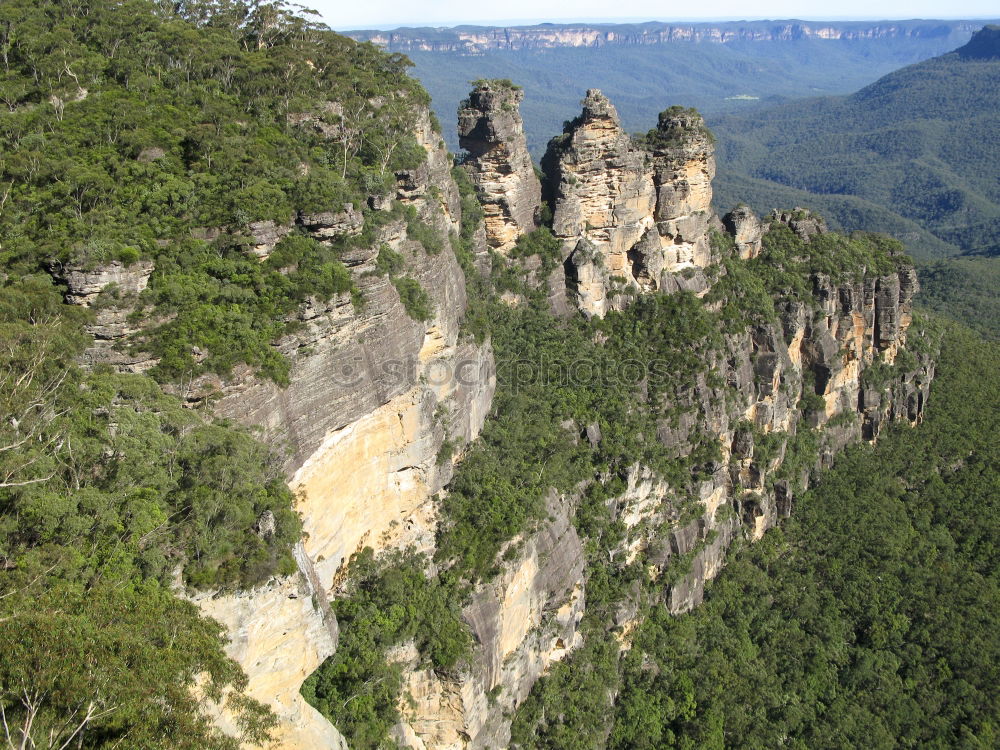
x=131, y=130
x=388, y=603
x=107, y=487
x=148, y=131
x=677, y=126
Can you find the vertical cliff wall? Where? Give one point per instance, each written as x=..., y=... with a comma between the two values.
x=373, y=395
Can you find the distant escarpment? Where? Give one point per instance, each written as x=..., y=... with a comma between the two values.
x=479, y=39
x=984, y=45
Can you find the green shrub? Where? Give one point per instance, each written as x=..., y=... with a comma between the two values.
x=416, y=302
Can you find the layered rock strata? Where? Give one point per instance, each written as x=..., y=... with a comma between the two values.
x=491, y=131
x=373, y=395
x=522, y=622
x=802, y=373
x=633, y=214
x=111, y=290
x=807, y=371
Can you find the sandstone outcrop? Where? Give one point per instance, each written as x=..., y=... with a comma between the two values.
x=746, y=229
x=279, y=635
x=522, y=622
x=811, y=369
x=633, y=214
x=373, y=395
x=491, y=131
x=111, y=291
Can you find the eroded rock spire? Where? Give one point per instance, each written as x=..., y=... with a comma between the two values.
x=491, y=130
x=632, y=212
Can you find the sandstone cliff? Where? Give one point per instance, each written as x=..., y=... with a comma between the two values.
x=372, y=397
x=365, y=451
x=473, y=40
x=522, y=621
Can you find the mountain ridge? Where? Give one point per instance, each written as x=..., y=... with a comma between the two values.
x=475, y=39
x=911, y=143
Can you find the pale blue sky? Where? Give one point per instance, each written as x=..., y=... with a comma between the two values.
x=360, y=14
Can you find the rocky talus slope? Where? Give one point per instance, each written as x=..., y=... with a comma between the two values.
x=374, y=395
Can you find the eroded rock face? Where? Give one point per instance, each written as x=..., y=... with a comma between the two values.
x=491, y=130
x=373, y=395
x=746, y=229
x=683, y=157
x=279, y=636
x=522, y=622
x=802, y=221
x=806, y=371
x=632, y=214
x=111, y=290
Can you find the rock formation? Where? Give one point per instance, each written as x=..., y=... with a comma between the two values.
x=805, y=371
x=490, y=129
x=522, y=621
x=746, y=229
x=632, y=213
x=365, y=433
x=372, y=396
x=111, y=290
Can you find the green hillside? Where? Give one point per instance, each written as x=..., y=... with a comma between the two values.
x=126, y=127
x=917, y=143
x=868, y=620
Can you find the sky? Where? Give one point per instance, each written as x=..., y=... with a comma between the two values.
x=385, y=14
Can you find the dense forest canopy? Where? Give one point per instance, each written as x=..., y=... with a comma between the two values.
x=912, y=143
x=868, y=620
